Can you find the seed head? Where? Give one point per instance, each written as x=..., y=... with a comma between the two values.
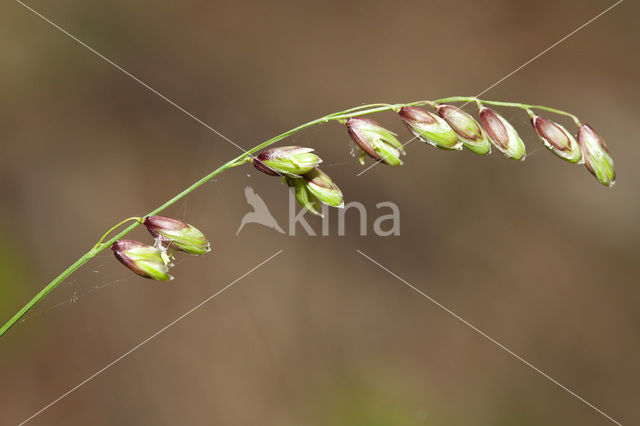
x=177, y=234
x=375, y=141
x=466, y=127
x=502, y=134
x=596, y=155
x=430, y=128
x=145, y=260
x=557, y=139
x=291, y=161
x=314, y=188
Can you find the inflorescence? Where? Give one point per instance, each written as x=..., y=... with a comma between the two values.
x=446, y=127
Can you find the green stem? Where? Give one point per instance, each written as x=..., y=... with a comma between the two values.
x=468, y=99
x=241, y=159
x=136, y=218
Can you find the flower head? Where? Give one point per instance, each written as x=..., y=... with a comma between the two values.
x=557, y=139
x=316, y=188
x=430, y=128
x=502, y=134
x=596, y=155
x=145, y=260
x=466, y=127
x=291, y=161
x=177, y=234
x=375, y=141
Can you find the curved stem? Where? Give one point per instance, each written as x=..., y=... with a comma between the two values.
x=508, y=104
x=239, y=160
x=136, y=218
x=361, y=107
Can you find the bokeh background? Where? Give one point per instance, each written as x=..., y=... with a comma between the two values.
x=536, y=254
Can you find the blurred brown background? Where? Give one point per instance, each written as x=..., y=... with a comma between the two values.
x=536, y=254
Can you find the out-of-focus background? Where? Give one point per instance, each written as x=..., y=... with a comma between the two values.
x=536, y=254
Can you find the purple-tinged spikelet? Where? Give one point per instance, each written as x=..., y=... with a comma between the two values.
x=292, y=161
x=557, y=139
x=596, y=155
x=430, y=128
x=502, y=134
x=375, y=141
x=466, y=127
x=314, y=188
x=177, y=234
x=145, y=260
